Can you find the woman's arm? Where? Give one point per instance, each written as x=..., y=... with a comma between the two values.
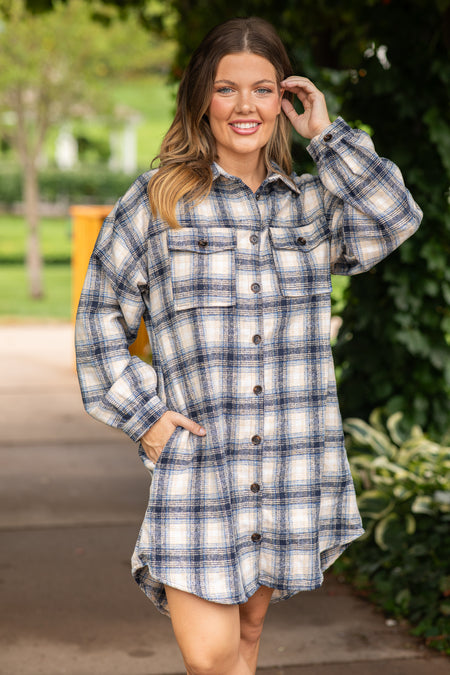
x=117, y=388
x=368, y=208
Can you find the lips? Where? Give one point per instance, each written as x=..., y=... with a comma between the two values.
x=245, y=126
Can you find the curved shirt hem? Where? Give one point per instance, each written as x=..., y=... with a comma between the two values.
x=141, y=572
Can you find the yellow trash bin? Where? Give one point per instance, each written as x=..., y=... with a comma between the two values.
x=86, y=224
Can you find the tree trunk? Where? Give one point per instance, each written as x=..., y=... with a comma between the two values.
x=33, y=254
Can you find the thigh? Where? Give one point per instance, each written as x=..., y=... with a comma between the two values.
x=203, y=627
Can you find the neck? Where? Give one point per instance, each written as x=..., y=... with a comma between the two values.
x=251, y=170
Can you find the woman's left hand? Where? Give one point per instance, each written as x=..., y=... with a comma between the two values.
x=314, y=118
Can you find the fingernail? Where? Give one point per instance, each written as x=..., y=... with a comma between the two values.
x=202, y=431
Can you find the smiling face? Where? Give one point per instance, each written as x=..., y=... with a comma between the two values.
x=244, y=107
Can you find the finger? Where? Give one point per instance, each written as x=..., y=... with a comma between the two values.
x=297, y=81
x=188, y=424
x=289, y=109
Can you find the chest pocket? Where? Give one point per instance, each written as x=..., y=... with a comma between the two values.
x=202, y=263
x=302, y=259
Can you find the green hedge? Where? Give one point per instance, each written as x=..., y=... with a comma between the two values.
x=402, y=562
x=89, y=184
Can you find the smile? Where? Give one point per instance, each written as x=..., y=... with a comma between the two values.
x=245, y=127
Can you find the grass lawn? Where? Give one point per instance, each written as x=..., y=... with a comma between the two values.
x=56, y=242
x=15, y=303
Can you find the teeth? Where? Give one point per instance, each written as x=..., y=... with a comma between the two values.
x=245, y=125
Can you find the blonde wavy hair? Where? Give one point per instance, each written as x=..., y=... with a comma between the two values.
x=189, y=148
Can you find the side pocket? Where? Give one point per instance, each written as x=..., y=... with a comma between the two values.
x=149, y=465
x=302, y=259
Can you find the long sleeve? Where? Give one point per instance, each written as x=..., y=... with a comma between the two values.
x=369, y=210
x=117, y=389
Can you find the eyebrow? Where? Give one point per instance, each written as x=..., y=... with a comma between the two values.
x=233, y=84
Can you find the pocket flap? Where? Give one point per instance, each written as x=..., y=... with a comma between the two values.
x=201, y=240
x=303, y=238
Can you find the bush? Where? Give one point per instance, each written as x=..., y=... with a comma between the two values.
x=402, y=481
x=87, y=185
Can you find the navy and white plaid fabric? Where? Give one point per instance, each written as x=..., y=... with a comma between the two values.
x=237, y=308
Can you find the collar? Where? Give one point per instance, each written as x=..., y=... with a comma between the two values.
x=275, y=175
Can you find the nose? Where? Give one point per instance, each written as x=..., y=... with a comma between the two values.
x=244, y=103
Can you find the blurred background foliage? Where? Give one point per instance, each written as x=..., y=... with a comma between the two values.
x=402, y=480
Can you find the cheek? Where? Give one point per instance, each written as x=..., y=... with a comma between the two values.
x=218, y=110
x=276, y=107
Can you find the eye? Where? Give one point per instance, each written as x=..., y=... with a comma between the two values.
x=224, y=90
x=263, y=90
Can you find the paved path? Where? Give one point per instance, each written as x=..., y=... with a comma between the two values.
x=72, y=499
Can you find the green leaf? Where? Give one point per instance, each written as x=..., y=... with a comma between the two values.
x=402, y=493
x=410, y=523
x=364, y=435
x=393, y=425
x=423, y=504
x=390, y=532
x=442, y=497
x=374, y=504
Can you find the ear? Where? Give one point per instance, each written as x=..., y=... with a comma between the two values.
x=280, y=98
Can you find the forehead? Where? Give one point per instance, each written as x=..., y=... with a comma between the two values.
x=244, y=66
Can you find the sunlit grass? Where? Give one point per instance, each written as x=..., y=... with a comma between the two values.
x=15, y=302
x=55, y=238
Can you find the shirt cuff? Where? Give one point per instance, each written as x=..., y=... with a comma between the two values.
x=144, y=418
x=328, y=137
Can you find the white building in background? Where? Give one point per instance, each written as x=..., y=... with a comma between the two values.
x=123, y=143
x=66, y=150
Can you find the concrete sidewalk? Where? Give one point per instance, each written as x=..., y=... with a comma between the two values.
x=73, y=496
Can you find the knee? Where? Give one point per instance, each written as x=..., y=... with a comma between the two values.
x=211, y=660
x=251, y=628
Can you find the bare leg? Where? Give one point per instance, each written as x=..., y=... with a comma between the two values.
x=207, y=633
x=252, y=615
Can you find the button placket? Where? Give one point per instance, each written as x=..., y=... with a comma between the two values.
x=266, y=216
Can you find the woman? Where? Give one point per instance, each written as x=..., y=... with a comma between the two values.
x=228, y=256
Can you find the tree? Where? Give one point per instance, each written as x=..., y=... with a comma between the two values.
x=383, y=64
x=54, y=66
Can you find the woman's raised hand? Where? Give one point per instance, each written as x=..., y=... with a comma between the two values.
x=154, y=440
x=314, y=118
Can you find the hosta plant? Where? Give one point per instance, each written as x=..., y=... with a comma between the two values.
x=402, y=481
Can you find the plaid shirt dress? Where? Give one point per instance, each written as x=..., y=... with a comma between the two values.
x=237, y=308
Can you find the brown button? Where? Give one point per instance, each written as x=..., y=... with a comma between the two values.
x=254, y=238
x=258, y=196
x=257, y=339
x=301, y=241
x=255, y=288
x=256, y=536
x=327, y=137
x=257, y=389
x=256, y=440
x=254, y=487
x=203, y=242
